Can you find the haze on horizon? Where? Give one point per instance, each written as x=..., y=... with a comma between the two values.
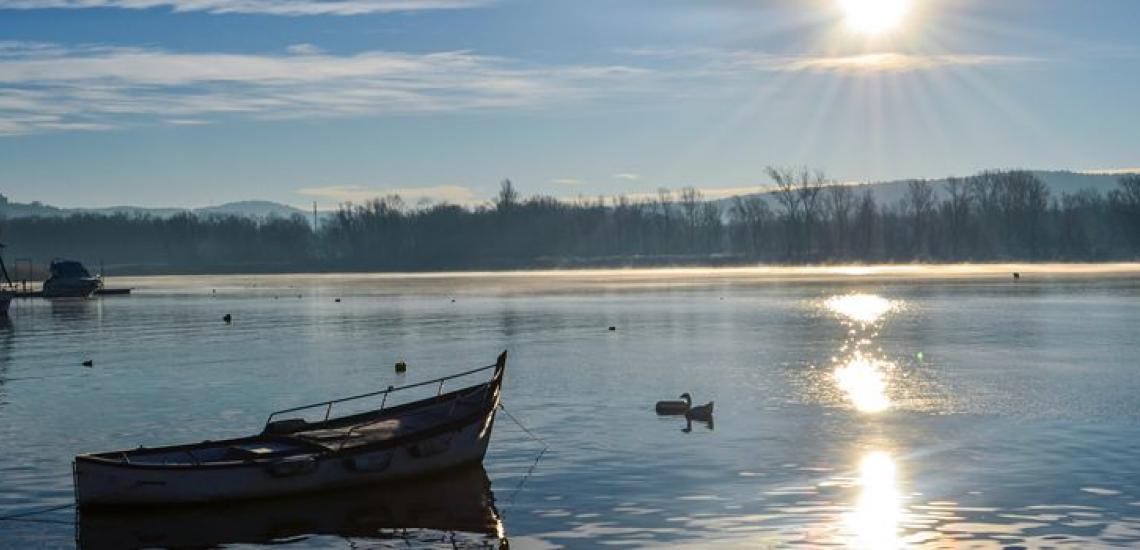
x=179, y=103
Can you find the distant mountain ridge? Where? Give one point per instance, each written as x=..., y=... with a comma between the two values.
x=1058, y=182
x=246, y=209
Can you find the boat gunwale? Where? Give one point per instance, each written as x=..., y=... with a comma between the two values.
x=392, y=389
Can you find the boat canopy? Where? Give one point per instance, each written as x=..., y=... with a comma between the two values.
x=70, y=269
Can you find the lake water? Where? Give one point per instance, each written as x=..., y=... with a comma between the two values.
x=869, y=408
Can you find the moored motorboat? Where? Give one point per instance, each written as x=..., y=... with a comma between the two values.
x=5, y=294
x=294, y=455
x=69, y=279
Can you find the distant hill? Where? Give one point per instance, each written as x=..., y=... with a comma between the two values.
x=252, y=209
x=247, y=209
x=1058, y=182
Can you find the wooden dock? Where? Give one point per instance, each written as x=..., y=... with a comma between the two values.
x=100, y=292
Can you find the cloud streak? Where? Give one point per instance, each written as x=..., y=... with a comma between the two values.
x=738, y=61
x=454, y=194
x=47, y=87
x=264, y=7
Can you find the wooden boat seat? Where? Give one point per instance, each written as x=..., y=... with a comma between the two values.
x=380, y=430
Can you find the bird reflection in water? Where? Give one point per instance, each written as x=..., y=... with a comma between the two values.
x=457, y=508
x=689, y=424
x=875, y=520
x=861, y=376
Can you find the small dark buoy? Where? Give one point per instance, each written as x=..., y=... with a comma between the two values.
x=89, y=363
x=337, y=300
x=612, y=329
x=453, y=300
x=1016, y=275
x=401, y=366
x=228, y=318
x=298, y=296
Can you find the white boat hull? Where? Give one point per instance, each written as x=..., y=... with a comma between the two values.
x=100, y=483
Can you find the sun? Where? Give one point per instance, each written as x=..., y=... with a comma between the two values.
x=872, y=17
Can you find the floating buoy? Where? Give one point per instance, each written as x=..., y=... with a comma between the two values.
x=89, y=363
x=401, y=366
x=1016, y=275
x=228, y=318
x=337, y=300
x=612, y=329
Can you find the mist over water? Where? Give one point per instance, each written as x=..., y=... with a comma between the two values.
x=856, y=407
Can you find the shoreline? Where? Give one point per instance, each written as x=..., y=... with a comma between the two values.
x=521, y=279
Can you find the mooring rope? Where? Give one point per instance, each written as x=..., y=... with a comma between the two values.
x=545, y=446
x=20, y=516
x=510, y=499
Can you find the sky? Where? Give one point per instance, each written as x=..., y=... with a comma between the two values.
x=199, y=102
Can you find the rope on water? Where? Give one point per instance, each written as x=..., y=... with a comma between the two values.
x=20, y=516
x=545, y=446
x=530, y=471
x=23, y=516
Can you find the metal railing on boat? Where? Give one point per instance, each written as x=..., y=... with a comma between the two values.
x=385, y=392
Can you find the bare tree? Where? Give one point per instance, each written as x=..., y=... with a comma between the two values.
x=798, y=194
x=752, y=215
x=508, y=197
x=919, y=206
x=957, y=209
x=839, y=202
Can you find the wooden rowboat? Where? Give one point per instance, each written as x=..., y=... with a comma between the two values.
x=294, y=455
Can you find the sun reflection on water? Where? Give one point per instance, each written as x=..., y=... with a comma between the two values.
x=861, y=308
x=876, y=518
x=864, y=381
x=858, y=373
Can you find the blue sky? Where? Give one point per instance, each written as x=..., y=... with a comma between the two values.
x=198, y=102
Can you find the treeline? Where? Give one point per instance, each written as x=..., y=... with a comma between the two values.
x=141, y=244
x=992, y=216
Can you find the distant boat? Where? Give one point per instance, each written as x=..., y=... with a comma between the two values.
x=458, y=503
x=69, y=279
x=5, y=295
x=293, y=455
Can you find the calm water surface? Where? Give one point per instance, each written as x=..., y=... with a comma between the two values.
x=854, y=409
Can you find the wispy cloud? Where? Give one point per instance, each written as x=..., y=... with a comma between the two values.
x=627, y=176
x=568, y=181
x=47, y=87
x=893, y=62
x=735, y=61
x=1111, y=171
x=358, y=193
x=267, y=7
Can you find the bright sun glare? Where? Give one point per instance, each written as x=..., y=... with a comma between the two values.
x=873, y=17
